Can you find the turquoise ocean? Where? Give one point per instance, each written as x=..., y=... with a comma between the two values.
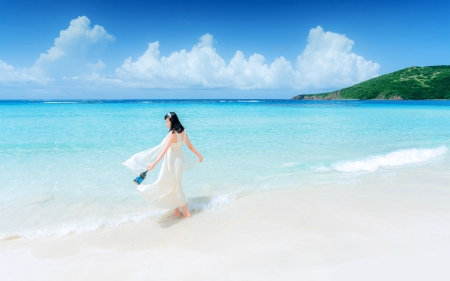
x=61, y=166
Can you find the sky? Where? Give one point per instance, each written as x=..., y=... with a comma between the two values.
x=211, y=49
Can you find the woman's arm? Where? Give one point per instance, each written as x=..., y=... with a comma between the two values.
x=171, y=138
x=192, y=148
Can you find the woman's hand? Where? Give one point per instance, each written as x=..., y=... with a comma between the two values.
x=151, y=166
x=200, y=158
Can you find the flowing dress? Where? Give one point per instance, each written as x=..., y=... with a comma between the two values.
x=167, y=191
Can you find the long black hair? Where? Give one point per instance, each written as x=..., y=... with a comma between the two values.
x=176, y=124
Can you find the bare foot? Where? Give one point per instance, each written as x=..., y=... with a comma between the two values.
x=188, y=215
x=177, y=213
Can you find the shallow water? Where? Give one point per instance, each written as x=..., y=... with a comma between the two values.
x=60, y=161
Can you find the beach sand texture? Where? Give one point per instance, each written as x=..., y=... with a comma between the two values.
x=392, y=229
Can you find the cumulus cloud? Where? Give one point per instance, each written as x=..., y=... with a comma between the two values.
x=71, y=54
x=202, y=66
x=73, y=49
x=326, y=61
x=10, y=74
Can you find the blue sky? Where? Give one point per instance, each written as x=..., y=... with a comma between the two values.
x=252, y=49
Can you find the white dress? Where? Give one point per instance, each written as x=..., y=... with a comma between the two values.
x=167, y=191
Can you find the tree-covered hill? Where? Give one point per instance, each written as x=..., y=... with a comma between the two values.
x=413, y=83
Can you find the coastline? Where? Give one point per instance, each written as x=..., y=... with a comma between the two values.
x=412, y=83
x=386, y=229
x=313, y=97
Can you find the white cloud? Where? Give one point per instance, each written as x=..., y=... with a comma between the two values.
x=200, y=66
x=72, y=50
x=70, y=55
x=203, y=67
x=327, y=61
x=10, y=74
x=254, y=73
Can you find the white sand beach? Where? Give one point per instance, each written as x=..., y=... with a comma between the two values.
x=393, y=228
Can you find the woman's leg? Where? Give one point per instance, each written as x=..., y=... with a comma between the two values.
x=186, y=211
x=177, y=212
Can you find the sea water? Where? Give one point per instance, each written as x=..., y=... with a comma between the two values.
x=61, y=166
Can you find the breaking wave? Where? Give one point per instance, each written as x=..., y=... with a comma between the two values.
x=199, y=204
x=396, y=158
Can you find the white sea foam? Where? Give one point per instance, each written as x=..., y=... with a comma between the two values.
x=248, y=101
x=396, y=158
x=321, y=169
x=83, y=226
x=60, y=230
x=210, y=203
x=60, y=102
x=290, y=164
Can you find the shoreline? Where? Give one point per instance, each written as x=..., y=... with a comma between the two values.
x=392, y=228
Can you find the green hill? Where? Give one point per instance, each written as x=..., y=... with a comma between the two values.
x=413, y=83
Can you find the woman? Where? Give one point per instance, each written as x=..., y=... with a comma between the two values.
x=167, y=191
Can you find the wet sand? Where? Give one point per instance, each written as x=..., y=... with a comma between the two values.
x=394, y=228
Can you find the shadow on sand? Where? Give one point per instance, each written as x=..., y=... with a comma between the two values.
x=196, y=205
